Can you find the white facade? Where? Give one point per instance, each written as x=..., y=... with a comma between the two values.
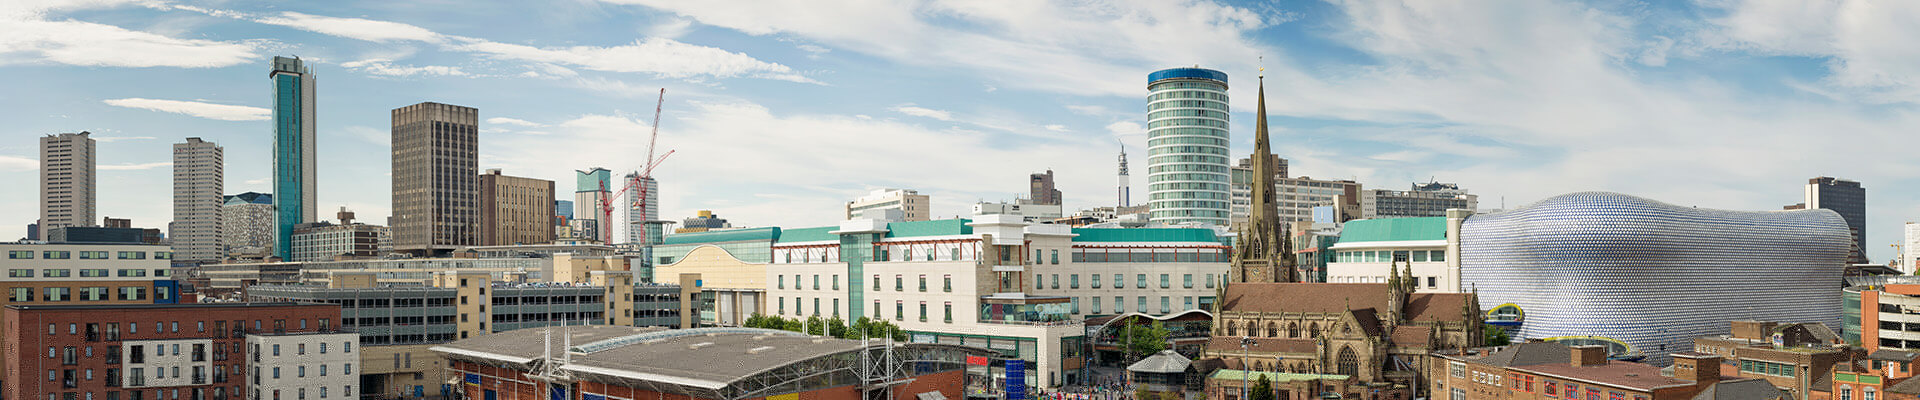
x=1023, y=208
x=1910, y=249
x=303, y=366
x=1367, y=262
x=66, y=181
x=913, y=205
x=166, y=363
x=84, y=262
x=199, y=176
x=937, y=287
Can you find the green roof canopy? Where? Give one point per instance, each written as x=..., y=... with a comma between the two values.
x=722, y=236
x=809, y=234
x=1144, y=235
x=1394, y=229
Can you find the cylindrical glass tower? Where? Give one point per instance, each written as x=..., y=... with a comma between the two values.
x=1187, y=170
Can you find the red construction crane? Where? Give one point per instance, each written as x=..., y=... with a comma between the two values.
x=644, y=173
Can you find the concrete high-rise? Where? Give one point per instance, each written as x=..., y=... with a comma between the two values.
x=1910, y=249
x=199, y=179
x=1850, y=200
x=294, y=163
x=913, y=206
x=1040, y=188
x=515, y=210
x=641, y=210
x=66, y=181
x=436, y=184
x=590, y=187
x=1187, y=169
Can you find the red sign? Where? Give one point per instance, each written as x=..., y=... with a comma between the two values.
x=977, y=360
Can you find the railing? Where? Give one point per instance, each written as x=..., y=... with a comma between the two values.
x=199, y=379
x=137, y=381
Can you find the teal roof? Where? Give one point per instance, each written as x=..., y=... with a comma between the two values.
x=722, y=236
x=1144, y=235
x=809, y=234
x=1394, y=229
x=1235, y=375
x=942, y=227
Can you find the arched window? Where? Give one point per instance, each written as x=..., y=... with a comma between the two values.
x=1349, y=363
x=1231, y=329
x=1273, y=329
x=1293, y=330
x=1314, y=330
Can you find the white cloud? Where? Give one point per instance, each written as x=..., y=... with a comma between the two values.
x=1056, y=127
x=353, y=28
x=918, y=111
x=223, y=112
x=131, y=167
x=671, y=29
x=27, y=36
x=1872, y=55
x=11, y=163
x=111, y=139
x=1126, y=129
x=1098, y=48
x=814, y=51
x=386, y=68
x=658, y=56
x=261, y=181
x=514, y=122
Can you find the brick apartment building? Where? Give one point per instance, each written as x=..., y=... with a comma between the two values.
x=142, y=351
x=1548, y=370
x=1793, y=357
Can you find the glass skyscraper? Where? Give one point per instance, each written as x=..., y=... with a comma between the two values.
x=293, y=145
x=1187, y=172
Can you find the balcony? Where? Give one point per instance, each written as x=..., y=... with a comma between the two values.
x=199, y=379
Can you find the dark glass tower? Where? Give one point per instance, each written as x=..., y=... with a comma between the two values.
x=293, y=146
x=1850, y=200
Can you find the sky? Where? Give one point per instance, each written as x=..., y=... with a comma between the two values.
x=778, y=112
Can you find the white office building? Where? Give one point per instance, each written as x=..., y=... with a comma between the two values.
x=302, y=366
x=66, y=181
x=199, y=178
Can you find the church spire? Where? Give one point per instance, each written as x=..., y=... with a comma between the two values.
x=1262, y=250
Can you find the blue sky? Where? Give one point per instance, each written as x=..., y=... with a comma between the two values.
x=781, y=110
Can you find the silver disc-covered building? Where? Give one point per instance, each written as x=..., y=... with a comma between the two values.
x=1646, y=277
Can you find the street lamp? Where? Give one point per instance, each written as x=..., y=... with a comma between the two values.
x=1245, y=342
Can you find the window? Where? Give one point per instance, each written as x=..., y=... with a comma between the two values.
x=1186, y=281
x=133, y=255
x=19, y=294
x=56, y=294
x=1095, y=281
x=1055, y=256
x=20, y=273
x=836, y=282
x=55, y=255
x=899, y=283
x=899, y=310
x=1457, y=369
x=56, y=273
x=1140, y=281
x=1095, y=305
x=1437, y=255
x=876, y=283
x=1056, y=281
x=1075, y=302
x=1073, y=281
x=783, y=305
x=20, y=254
x=1164, y=282
x=1433, y=282
x=1119, y=281
x=923, y=282
x=816, y=282
x=782, y=282
x=946, y=283
x=1209, y=281
x=948, y=313
x=133, y=293
x=1140, y=304
x=1165, y=305
x=923, y=311
x=1036, y=257
x=1119, y=305
x=1039, y=281
x=93, y=255
x=132, y=273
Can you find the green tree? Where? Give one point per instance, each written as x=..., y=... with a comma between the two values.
x=1494, y=336
x=1143, y=341
x=1262, y=389
x=837, y=327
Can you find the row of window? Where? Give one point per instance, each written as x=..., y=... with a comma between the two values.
x=110, y=331
x=1391, y=256
x=87, y=255
x=1120, y=281
x=1766, y=368
x=85, y=273
x=90, y=293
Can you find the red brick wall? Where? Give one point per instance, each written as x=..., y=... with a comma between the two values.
x=26, y=342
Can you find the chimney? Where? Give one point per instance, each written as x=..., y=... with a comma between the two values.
x=1702, y=369
x=1584, y=356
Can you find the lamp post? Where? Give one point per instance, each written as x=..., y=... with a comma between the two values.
x=1245, y=342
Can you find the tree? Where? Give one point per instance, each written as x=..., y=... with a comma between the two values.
x=837, y=327
x=1494, y=336
x=1143, y=341
x=1262, y=389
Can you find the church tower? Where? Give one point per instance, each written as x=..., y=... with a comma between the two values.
x=1262, y=252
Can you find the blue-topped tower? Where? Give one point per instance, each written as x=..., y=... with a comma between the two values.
x=1188, y=178
x=293, y=146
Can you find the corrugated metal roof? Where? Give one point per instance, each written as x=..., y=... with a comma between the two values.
x=1144, y=235
x=1394, y=229
x=721, y=236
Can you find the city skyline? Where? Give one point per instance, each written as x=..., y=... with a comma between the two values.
x=774, y=114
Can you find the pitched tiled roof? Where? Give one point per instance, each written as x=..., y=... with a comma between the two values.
x=1369, y=322
x=1436, y=306
x=1908, y=386
x=1529, y=353
x=1231, y=344
x=1746, y=389
x=1412, y=337
x=1304, y=297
